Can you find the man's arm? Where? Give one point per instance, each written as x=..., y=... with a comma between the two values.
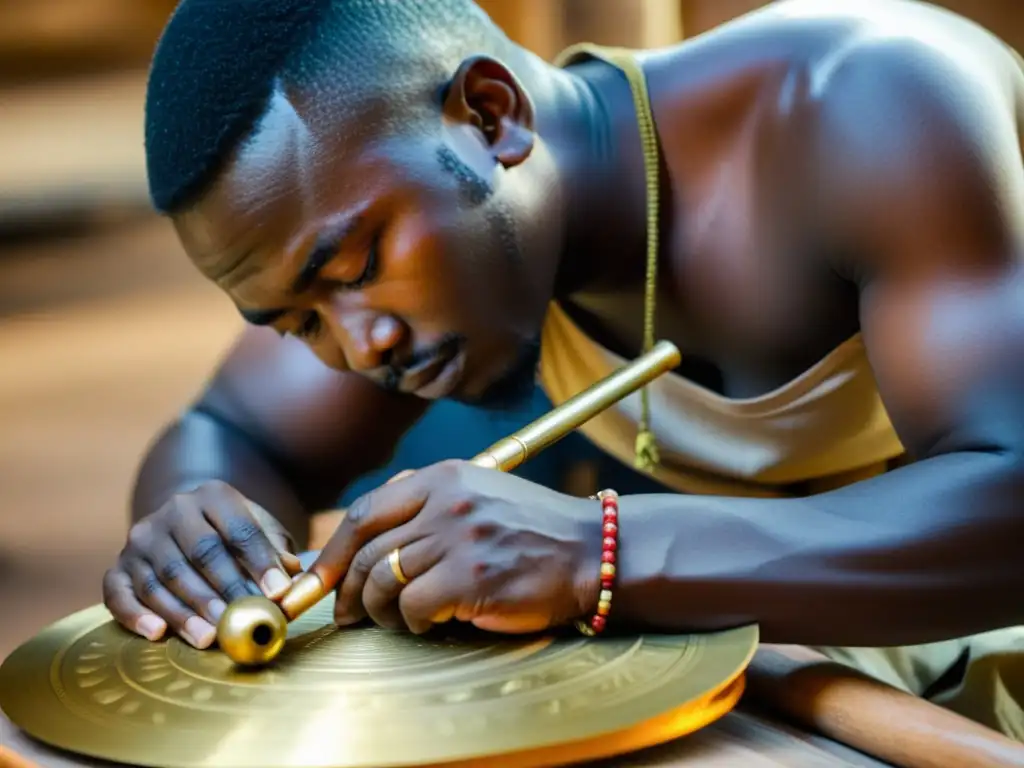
x=922, y=169
x=280, y=427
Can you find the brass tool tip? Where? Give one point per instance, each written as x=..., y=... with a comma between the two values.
x=252, y=631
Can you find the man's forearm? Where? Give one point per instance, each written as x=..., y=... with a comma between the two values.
x=198, y=449
x=928, y=552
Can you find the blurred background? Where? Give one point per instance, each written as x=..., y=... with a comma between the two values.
x=106, y=332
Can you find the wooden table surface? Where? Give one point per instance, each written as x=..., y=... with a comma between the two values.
x=742, y=739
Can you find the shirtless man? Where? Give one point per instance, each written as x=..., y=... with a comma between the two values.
x=837, y=211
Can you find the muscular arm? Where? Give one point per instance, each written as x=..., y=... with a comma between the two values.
x=923, y=173
x=279, y=426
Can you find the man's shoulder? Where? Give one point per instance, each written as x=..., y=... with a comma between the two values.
x=892, y=117
x=910, y=144
x=853, y=64
x=847, y=26
x=927, y=66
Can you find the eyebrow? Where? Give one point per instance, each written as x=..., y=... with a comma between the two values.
x=328, y=242
x=327, y=245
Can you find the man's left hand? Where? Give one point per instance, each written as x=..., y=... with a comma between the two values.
x=475, y=545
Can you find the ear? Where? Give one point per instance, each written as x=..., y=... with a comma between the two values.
x=485, y=95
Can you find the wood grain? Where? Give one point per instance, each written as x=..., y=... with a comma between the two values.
x=740, y=740
x=805, y=687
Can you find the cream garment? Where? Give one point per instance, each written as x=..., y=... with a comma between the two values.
x=827, y=428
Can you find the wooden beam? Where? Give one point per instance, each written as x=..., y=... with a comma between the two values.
x=702, y=15
x=627, y=23
x=533, y=24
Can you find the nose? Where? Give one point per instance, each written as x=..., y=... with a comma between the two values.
x=367, y=339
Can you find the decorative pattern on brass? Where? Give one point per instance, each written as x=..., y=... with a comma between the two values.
x=350, y=697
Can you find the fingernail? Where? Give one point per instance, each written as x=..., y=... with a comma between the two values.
x=275, y=583
x=151, y=627
x=401, y=476
x=217, y=608
x=199, y=632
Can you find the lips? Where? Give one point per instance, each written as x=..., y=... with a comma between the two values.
x=435, y=378
x=446, y=380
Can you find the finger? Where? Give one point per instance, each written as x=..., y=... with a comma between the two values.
x=285, y=553
x=433, y=598
x=520, y=606
x=348, y=606
x=292, y=564
x=449, y=591
x=181, y=579
x=401, y=476
x=229, y=513
x=151, y=592
x=204, y=548
x=383, y=588
x=374, y=513
x=119, y=598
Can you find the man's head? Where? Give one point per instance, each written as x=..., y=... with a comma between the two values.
x=354, y=172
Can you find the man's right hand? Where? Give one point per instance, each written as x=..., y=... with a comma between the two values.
x=185, y=562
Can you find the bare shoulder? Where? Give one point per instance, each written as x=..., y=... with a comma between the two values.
x=944, y=63
x=919, y=128
x=848, y=23
x=848, y=77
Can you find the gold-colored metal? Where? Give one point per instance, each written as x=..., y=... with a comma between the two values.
x=306, y=591
x=249, y=633
x=362, y=697
x=505, y=455
x=395, y=561
x=252, y=631
x=509, y=453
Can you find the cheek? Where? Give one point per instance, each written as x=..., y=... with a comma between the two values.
x=431, y=270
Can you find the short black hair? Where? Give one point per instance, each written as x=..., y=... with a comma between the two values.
x=218, y=62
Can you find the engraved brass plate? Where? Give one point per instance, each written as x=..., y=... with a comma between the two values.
x=354, y=698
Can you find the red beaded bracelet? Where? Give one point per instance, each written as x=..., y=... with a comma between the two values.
x=609, y=551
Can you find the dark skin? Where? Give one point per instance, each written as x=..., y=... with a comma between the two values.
x=822, y=178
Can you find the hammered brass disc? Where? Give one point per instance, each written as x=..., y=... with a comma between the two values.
x=355, y=698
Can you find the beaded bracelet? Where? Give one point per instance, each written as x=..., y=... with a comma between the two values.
x=609, y=548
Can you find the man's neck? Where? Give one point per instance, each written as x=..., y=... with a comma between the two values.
x=587, y=117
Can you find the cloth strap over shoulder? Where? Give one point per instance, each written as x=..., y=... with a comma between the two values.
x=646, y=450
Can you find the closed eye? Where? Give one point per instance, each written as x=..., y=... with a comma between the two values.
x=369, y=273
x=311, y=324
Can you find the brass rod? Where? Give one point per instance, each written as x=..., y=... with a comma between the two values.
x=510, y=452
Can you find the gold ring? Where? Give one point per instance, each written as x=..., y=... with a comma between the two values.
x=394, y=560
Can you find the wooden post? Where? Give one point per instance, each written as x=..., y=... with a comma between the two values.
x=702, y=15
x=627, y=23
x=548, y=26
x=533, y=24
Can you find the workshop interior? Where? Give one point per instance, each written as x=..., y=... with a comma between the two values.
x=107, y=331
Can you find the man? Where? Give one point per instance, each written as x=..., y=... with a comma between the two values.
x=819, y=203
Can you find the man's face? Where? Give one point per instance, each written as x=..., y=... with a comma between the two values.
x=391, y=253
